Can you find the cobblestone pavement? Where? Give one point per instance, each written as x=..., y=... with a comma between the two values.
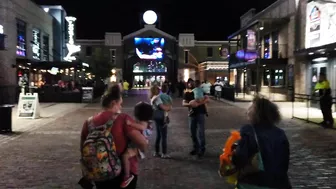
x=47, y=157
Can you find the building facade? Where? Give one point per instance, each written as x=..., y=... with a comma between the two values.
x=28, y=36
x=315, y=52
x=264, y=58
x=150, y=54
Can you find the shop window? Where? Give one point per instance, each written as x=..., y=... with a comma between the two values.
x=45, y=48
x=36, y=44
x=21, y=38
x=254, y=77
x=267, y=47
x=209, y=51
x=113, y=56
x=145, y=66
x=88, y=51
x=2, y=41
x=274, y=77
x=275, y=45
x=186, y=57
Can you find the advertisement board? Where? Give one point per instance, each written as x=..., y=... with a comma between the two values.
x=28, y=106
x=320, y=24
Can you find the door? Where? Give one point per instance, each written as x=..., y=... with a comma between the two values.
x=316, y=70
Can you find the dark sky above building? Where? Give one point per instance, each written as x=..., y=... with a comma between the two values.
x=209, y=20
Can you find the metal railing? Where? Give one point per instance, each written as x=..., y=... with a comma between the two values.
x=306, y=107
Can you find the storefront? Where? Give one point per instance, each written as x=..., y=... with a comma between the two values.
x=319, y=54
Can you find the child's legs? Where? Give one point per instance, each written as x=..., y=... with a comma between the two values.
x=130, y=152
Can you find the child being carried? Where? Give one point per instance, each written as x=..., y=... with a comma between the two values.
x=166, y=100
x=199, y=95
x=143, y=113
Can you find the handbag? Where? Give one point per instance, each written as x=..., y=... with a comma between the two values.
x=255, y=166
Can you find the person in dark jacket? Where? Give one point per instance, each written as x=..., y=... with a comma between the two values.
x=272, y=143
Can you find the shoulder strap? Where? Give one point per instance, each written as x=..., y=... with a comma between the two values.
x=261, y=163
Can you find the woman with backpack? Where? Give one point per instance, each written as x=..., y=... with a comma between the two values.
x=261, y=156
x=101, y=163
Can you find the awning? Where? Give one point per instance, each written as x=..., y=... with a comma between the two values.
x=320, y=50
x=57, y=64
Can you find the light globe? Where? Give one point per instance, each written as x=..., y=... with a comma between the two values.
x=150, y=17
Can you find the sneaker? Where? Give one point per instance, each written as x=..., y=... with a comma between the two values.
x=165, y=156
x=194, y=152
x=156, y=154
x=126, y=181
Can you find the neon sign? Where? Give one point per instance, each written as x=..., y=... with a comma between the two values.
x=72, y=48
x=246, y=55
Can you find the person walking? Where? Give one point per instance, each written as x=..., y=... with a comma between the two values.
x=323, y=87
x=206, y=86
x=126, y=88
x=218, y=89
x=196, y=119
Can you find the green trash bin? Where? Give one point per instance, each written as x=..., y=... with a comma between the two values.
x=6, y=118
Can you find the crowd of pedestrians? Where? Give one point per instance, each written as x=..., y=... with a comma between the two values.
x=112, y=142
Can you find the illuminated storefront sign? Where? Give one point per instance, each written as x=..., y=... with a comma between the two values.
x=246, y=55
x=1, y=29
x=36, y=44
x=251, y=40
x=72, y=48
x=320, y=24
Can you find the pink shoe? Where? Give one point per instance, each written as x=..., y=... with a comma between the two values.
x=126, y=181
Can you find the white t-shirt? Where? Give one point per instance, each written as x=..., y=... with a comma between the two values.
x=206, y=87
x=218, y=86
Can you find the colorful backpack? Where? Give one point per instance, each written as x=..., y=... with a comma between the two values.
x=100, y=161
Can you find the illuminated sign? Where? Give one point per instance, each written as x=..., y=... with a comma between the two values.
x=251, y=40
x=72, y=48
x=246, y=55
x=36, y=44
x=150, y=17
x=320, y=24
x=1, y=29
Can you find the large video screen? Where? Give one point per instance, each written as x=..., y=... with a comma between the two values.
x=149, y=48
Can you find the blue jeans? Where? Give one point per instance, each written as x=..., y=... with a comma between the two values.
x=197, y=130
x=161, y=136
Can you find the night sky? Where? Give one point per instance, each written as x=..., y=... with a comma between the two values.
x=209, y=20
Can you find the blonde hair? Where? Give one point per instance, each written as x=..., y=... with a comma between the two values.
x=264, y=112
x=154, y=90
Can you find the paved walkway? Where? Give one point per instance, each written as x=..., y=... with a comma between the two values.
x=47, y=157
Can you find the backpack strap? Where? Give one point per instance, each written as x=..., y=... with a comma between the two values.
x=261, y=163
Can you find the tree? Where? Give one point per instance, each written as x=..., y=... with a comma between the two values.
x=100, y=66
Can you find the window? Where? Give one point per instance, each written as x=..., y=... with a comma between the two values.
x=21, y=37
x=113, y=56
x=88, y=51
x=186, y=57
x=275, y=45
x=267, y=46
x=36, y=44
x=274, y=77
x=45, y=48
x=209, y=51
x=2, y=41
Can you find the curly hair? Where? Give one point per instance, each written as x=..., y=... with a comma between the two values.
x=264, y=112
x=143, y=111
x=154, y=90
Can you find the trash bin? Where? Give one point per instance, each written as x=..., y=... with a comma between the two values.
x=6, y=118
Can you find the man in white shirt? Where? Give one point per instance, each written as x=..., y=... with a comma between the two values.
x=206, y=86
x=218, y=89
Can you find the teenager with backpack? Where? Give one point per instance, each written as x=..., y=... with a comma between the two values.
x=104, y=139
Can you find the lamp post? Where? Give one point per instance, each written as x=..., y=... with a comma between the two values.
x=259, y=28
